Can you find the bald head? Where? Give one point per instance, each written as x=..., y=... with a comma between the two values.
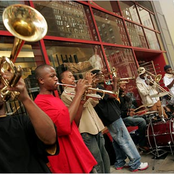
x=40, y=70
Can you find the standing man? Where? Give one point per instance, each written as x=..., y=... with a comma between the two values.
x=109, y=112
x=168, y=80
x=90, y=125
x=146, y=88
x=74, y=156
x=130, y=118
x=25, y=140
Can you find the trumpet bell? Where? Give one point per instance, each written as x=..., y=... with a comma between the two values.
x=24, y=22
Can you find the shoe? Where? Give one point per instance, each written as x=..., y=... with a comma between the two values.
x=143, y=166
x=144, y=148
x=125, y=166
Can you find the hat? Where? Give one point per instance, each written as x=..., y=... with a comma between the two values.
x=95, y=71
x=166, y=67
x=141, y=70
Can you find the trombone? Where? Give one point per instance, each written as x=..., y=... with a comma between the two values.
x=157, y=78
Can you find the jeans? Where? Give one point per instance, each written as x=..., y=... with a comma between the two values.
x=141, y=123
x=96, y=145
x=124, y=146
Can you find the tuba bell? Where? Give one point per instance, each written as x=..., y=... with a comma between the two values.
x=26, y=24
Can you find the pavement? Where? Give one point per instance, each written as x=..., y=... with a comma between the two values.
x=162, y=163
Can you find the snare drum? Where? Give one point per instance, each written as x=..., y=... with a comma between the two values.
x=161, y=133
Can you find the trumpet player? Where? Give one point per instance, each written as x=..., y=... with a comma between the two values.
x=89, y=124
x=146, y=88
x=168, y=80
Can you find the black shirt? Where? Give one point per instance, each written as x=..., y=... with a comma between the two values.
x=107, y=109
x=21, y=151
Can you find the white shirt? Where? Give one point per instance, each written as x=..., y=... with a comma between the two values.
x=167, y=80
x=146, y=91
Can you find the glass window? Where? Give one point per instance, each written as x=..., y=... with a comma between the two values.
x=3, y=5
x=152, y=39
x=154, y=22
x=78, y=58
x=28, y=59
x=111, y=28
x=67, y=19
x=136, y=35
x=129, y=11
x=146, y=4
x=124, y=62
x=111, y=6
x=145, y=17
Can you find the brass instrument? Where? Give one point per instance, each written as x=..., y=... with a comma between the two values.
x=157, y=78
x=114, y=94
x=26, y=24
x=121, y=80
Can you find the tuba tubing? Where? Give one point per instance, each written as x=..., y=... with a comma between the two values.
x=25, y=24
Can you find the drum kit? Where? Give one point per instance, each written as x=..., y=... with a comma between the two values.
x=160, y=132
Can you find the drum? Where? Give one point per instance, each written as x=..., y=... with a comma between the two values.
x=161, y=133
x=150, y=115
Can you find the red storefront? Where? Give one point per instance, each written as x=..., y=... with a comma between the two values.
x=83, y=35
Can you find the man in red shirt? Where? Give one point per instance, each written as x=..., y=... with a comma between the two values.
x=74, y=156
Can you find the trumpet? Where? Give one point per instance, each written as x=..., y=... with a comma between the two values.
x=26, y=24
x=121, y=80
x=112, y=93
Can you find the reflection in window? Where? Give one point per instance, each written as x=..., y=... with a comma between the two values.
x=3, y=5
x=145, y=17
x=154, y=22
x=28, y=58
x=78, y=58
x=129, y=11
x=67, y=19
x=152, y=39
x=136, y=35
x=123, y=60
x=111, y=28
x=111, y=6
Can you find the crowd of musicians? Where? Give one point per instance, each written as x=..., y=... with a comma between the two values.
x=65, y=135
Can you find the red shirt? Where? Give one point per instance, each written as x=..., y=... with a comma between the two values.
x=74, y=156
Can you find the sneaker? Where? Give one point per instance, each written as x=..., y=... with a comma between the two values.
x=125, y=166
x=143, y=166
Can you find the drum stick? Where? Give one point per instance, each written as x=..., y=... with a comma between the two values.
x=140, y=107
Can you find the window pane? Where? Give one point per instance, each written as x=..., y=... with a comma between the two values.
x=78, y=58
x=124, y=62
x=154, y=22
x=67, y=19
x=111, y=28
x=3, y=5
x=136, y=35
x=111, y=6
x=146, y=4
x=145, y=17
x=129, y=11
x=152, y=39
x=28, y=59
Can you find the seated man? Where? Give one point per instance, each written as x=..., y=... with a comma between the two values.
x=147, y=88
x=130, y=119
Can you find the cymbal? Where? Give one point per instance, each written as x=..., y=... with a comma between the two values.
x=161, y=94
